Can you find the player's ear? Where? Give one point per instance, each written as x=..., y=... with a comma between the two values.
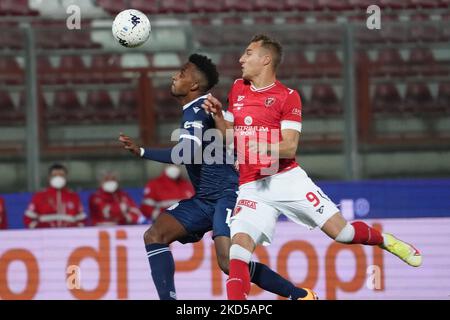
x=267, y=59
x=195, y=86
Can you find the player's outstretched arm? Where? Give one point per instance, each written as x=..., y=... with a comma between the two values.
x=129, y=144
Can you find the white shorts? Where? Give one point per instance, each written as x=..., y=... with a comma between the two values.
x=291, y=193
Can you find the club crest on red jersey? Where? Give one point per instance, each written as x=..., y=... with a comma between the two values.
x=269, y=101
x=240, y=98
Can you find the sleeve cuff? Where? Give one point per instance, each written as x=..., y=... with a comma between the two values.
x=142, y=152
x=228, y=116
x=289, y=124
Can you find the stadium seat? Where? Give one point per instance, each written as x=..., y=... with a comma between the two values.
x=16, y=8
x=45, y=71
x=298, y=5
x=362, y=34
x=389, y=62
x=443, y=99
x=146, y=6
x=237, y=5
x=109, y=63
x=329, y=32
x=324, y=101
x=100, y=105
x=229, y=64
x=393, y=4
x=294, y=64
x=333, y=5
x=206, y=6
x=174, y=6
x=427, y=4
x=423, y=29
x=267, y=5
x=328, y=63
x=418, y=99
x=392, y=31
x=166, y=107
x=360, y=4
x=421, y=60
x=128, y=104
x=10, y=71
x=78, y=39
x=112, y=6
x=386, y=99
x=66, y=108
x=445, y=32
x=9, y=114
x=68, y=65
x=14, y=38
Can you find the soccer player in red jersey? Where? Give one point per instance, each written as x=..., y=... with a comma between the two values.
x=266, y=118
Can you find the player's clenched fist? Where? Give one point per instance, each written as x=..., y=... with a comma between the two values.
x=213, y=105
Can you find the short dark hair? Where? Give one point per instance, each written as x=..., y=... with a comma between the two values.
x=57, y=166
x=207, y=68
x=270, y=44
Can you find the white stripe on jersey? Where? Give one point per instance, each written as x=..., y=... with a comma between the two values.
x=289, y=124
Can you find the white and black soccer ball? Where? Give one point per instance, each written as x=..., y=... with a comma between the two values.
x=131, y=28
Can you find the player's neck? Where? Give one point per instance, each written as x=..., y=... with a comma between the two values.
x=263, y=80
x=188, y=98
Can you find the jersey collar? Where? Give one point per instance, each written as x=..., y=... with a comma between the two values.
x=187, y=105
x=252, y=87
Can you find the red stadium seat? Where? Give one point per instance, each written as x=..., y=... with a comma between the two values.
x=66, y=108
x=10, y=71
x=445, y=33
x=229, y=64
x=9, y=114
x=46, y=71
x=390, y=62
x=386, y=99
x=298, y=5
x=203, y=34
x=174, y=6
x=206, y=6
x=443, y=99
x=112, y=6
x=294, y=64
x=423, y=4
x=328, y=63
x=360, y=4
x=391, y=30
x=128, y=105
x=418, y=99
x=267, y=5
x=324, y=101
x=166, y=107
x=333, y=5
x=362, y=34
x=100, y=106
x=237, y=5
x=330, y=32
x=107, y=68
x=146, y=6
x=68, y=65
x=423, y=29
x=16, y=8
x=78, y=39
x=393, y=4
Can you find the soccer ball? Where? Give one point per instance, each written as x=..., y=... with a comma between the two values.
x=131, y=28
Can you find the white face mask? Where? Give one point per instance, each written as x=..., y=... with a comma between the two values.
x=110, y=186
x=57, y=182
x=172, y=172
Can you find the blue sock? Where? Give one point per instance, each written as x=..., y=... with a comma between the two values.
x=163, y=270
x=269, y=280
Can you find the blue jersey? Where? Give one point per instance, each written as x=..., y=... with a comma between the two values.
x=210, y=181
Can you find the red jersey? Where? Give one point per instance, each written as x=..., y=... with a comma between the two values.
x=162, y=192
x=113, y=208
x=3, y=220
x=55, y=208
x=261, y=114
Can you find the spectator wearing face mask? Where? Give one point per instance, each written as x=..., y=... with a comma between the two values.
x=167, y=189
x=109, y=205
x=56, y=206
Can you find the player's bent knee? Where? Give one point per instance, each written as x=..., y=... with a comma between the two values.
x=240, y=253
x=346, y=235
x=153, y=236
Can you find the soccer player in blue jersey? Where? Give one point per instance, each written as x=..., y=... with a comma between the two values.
x=215, y=185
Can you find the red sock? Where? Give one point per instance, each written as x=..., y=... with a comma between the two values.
x=365, y=234
x=238, y=284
